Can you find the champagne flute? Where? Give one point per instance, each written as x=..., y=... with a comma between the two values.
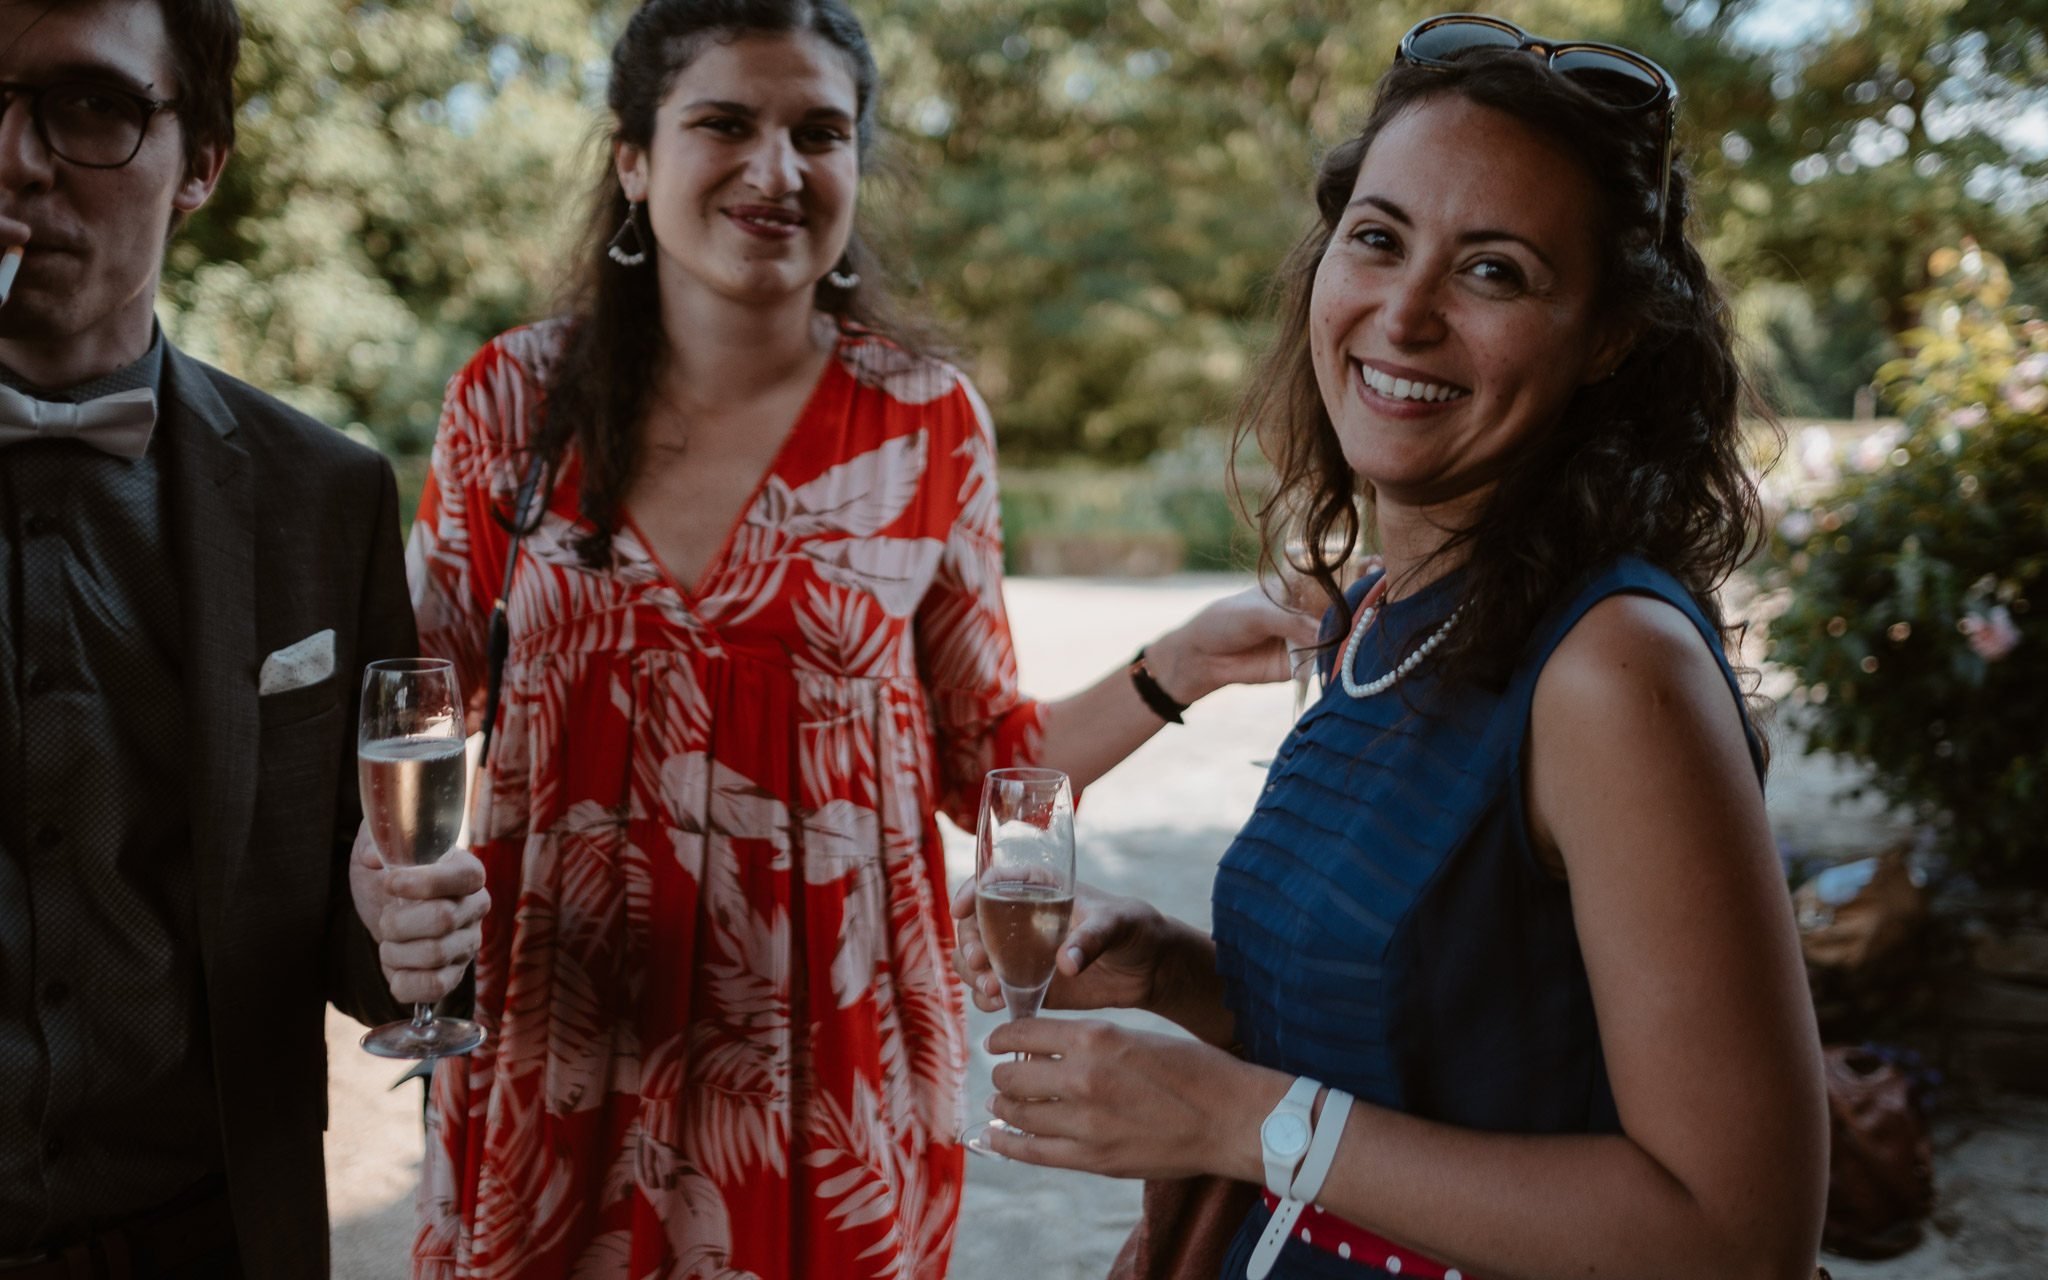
x=1023, y=892
x=1301, y=661
x=412, y=763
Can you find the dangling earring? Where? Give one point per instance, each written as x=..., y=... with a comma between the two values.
x=617, y=250
x=843, y=276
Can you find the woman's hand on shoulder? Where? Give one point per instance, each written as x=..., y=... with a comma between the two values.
x=1110, y=958
x=1240, y=639
x=1640, y=778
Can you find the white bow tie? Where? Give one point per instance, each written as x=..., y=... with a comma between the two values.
x=119, y=424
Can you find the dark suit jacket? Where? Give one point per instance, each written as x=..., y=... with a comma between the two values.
x=282, y=527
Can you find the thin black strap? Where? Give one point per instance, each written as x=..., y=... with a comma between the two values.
x=501, y=627
x=1163, y=704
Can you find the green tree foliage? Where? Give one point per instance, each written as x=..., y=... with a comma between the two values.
x=1913, y=628
x=1837, y=166
x=405, y=181
x=1112, y=182
x=1089, y=194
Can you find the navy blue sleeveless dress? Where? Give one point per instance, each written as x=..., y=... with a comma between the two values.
x=1382, y=924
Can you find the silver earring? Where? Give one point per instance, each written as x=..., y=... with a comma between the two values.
x=843, y=279
x=617, y=249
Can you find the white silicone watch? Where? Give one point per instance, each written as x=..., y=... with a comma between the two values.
x=1308, y=1184
x=1284, y=1134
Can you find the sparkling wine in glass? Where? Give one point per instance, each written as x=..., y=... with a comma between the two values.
x=413, y=764
x=1023, y=891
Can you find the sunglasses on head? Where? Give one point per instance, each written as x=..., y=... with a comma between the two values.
x=1621, y=78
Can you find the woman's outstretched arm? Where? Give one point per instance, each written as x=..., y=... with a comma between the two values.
x=983, y=721
x=1240, y=639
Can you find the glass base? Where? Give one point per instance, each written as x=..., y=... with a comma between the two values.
x=1018, y=1002
x=975, y=1139
x=437, y=1038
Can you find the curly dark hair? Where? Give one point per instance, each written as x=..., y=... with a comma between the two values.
x=598, y=389
x=1648, y=462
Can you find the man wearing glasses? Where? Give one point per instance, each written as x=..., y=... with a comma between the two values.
x=192, y=576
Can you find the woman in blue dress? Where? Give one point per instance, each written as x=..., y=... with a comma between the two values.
x=1503, y=981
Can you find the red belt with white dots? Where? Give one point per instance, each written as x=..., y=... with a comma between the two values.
x=1332, y=1234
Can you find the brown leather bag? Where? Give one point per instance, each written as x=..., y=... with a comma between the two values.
x=1187, y=1228
x=1880, y=1161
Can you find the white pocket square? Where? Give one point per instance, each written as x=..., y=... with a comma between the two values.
x=295, y=666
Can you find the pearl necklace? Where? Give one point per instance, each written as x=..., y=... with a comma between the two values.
x=1369, y=608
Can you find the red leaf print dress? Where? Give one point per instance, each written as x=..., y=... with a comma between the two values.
x=725, y=1037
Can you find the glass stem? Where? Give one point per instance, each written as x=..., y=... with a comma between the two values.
x=1023, y=1002
x=1304, y=669
x=422, y=1018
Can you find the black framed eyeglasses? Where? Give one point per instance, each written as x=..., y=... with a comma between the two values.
x=88, y=123
x=1621, y=78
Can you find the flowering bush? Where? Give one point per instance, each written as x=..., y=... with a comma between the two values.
x=1911, y=629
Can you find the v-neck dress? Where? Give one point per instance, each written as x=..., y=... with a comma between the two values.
x=725, y=1039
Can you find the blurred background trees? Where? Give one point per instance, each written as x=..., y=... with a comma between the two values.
x=405, y=179
x=1088, y=194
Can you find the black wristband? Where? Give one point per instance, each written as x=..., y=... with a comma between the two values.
x=1158, y=699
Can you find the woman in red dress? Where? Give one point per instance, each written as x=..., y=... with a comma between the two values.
x=758, y=642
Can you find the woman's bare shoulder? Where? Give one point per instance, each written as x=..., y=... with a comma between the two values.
x=1627, y=647
x=1632, y=690
x=1635, y=729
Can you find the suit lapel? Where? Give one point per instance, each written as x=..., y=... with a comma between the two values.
x=212, y=518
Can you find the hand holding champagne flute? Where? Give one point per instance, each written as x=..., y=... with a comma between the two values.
x=1023, y=889
x=412, y=764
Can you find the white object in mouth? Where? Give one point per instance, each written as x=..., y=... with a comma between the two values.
x=10, y=266
x=1405, y=389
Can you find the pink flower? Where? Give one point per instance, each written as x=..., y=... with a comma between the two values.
x=1968, y=416
x=1993, y=635
x=1873, y=449
x=1817, y=455
x=2026, y=387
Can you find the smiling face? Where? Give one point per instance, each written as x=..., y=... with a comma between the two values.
x=95, y=236
x=1453, y=314
x=750, y=177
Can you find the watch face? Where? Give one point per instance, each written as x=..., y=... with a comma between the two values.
x=1285, y=1135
